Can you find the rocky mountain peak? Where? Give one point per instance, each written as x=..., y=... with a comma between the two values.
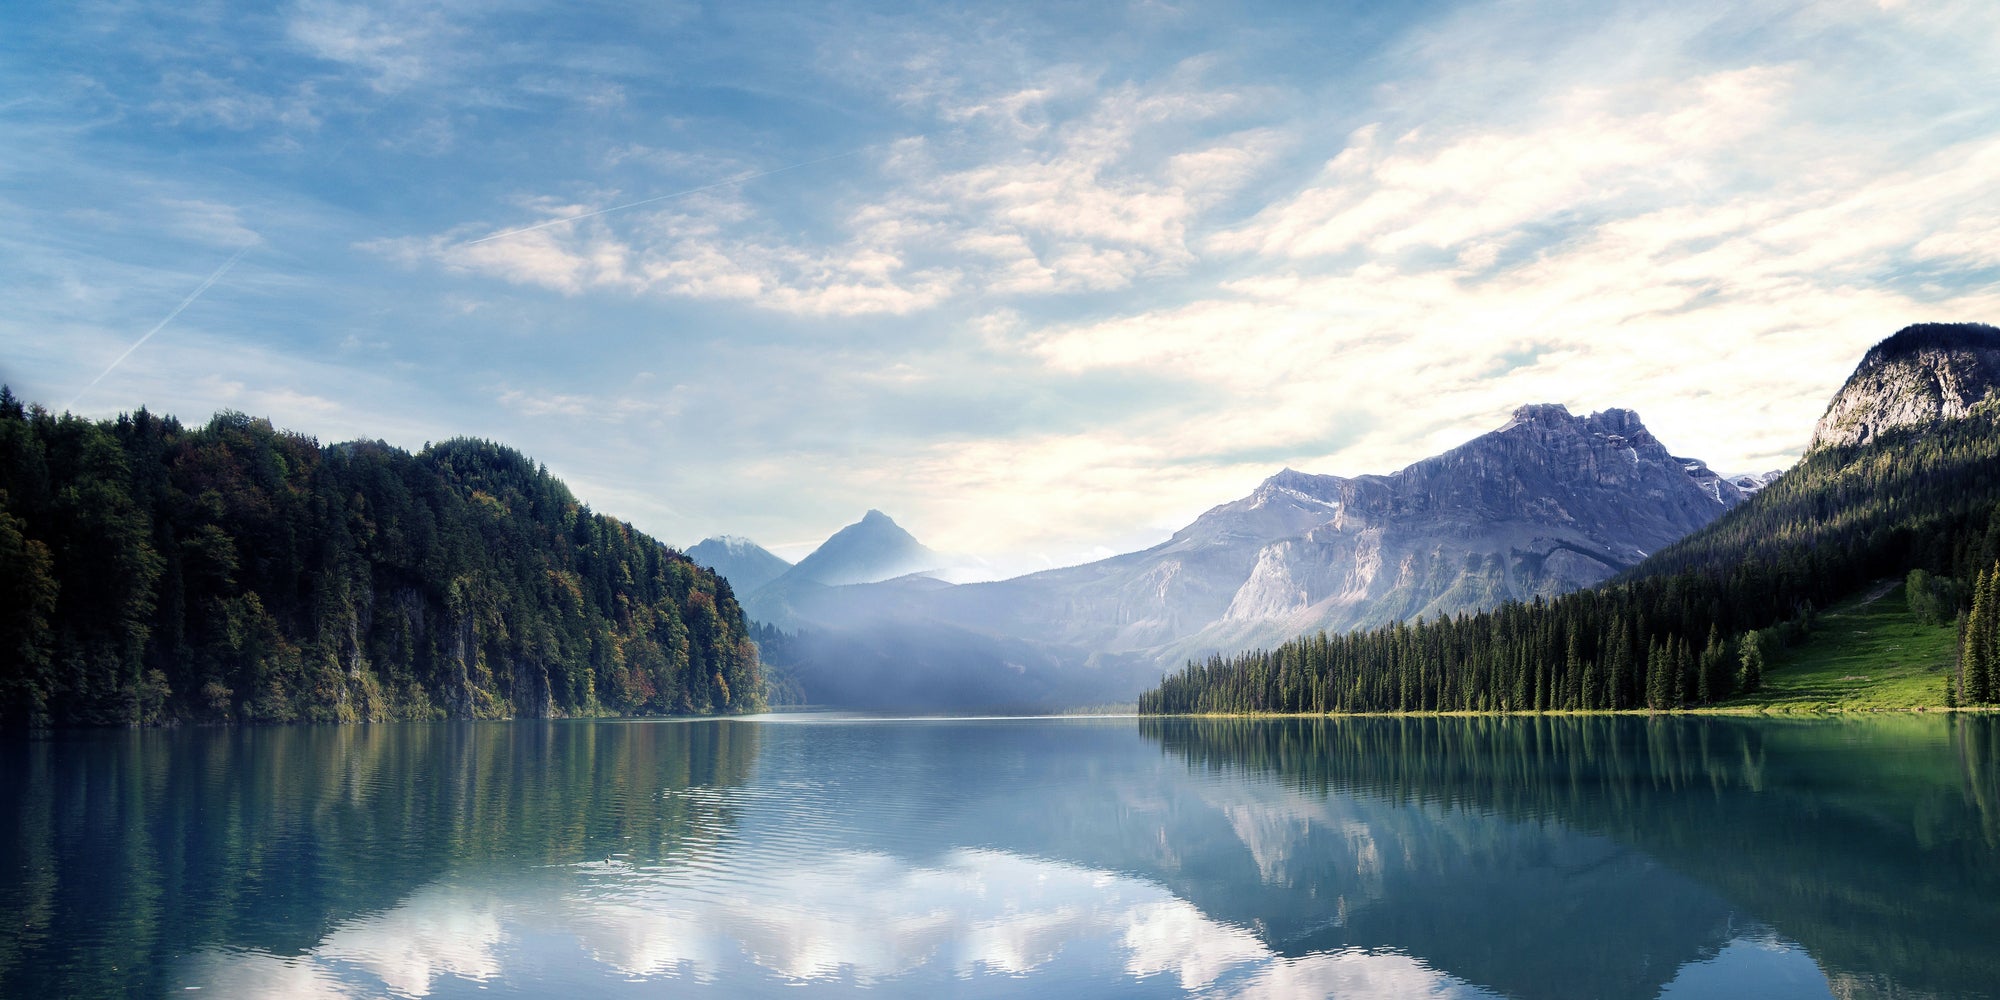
x=1922, y=374
x=1550, y=415
x=1290, y=480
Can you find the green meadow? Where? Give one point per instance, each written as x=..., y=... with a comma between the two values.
x=1867, y=653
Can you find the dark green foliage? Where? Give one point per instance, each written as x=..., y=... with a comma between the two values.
x=1752, y=656
x=151, y=572
x=1844, y=517
x=1979, y=643
x=1933, y=599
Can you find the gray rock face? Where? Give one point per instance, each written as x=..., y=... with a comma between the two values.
x=1922, y=374
x=1549, y=503
x=744, y=563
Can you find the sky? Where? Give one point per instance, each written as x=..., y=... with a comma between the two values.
x=1041, y=281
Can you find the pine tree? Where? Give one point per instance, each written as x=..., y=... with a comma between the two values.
x=1714, y=681
x=1659, y=677
x=1976, y=650
x=1753, y=663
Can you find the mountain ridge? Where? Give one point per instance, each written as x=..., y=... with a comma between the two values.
x=1549, y=502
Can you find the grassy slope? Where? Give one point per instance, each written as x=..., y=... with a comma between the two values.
x=1865, y=653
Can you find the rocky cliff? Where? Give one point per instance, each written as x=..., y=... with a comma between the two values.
x=1922, y=374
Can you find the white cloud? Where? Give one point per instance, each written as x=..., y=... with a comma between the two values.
x=859, y=919
x=394, y=45
x=1065, y=204
x=598, y=408
x=1418, y=191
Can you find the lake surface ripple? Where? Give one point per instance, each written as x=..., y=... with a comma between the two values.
x=800, y=855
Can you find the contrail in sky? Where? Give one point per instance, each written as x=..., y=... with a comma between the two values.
x=161, y=325
x=738, y=179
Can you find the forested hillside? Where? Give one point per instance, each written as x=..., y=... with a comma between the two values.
x=1686, y=627
x=152, y=572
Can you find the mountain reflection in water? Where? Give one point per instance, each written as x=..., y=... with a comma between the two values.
x=1363, y=858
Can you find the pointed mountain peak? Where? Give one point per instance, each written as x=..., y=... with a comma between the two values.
x=1922, y=374
x=871, y=549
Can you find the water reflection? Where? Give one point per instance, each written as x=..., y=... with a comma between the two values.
x=129, y=849
x=977, y=918
x=1871, y=843
x=1359, y=858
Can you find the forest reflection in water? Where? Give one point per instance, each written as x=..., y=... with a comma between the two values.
x=1557, y=857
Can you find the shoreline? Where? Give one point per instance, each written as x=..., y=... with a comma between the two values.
x=1740, y=711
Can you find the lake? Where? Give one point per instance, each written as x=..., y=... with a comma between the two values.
x=806, y=855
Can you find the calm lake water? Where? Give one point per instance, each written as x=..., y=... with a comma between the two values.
x=1601, y=857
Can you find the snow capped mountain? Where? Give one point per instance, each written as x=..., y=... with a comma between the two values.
x=1750, y=483
x=744, y=563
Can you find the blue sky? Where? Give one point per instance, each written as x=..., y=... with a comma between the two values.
x=1041, y=281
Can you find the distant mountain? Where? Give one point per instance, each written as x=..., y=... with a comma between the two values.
x=744, y=563
x=1922, y=375
x=1546, y=504
x=1750, y=483
x=871, y=549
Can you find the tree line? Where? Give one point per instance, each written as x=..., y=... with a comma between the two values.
x=1689, y=626
x=153, y=572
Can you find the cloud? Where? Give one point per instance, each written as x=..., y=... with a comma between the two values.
x=1079, y=207
x=1386, y=197
x=853, y=919
x=598, y=408
x=193, y=96
x=394, y=45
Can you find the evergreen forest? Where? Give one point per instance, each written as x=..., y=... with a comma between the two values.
x=152, y=573
x=1689, y=626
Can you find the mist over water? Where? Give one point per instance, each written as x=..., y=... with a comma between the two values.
x=1606, y=857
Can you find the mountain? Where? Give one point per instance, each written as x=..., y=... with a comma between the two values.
x=871, y=549
x=1749, y=483
x=1546, y=504
x=156, y=573
x=1923, y=374
x=874, y=550
x=1903, y=486
x=744, y=563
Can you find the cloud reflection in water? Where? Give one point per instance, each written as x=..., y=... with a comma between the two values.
x=852, y=919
